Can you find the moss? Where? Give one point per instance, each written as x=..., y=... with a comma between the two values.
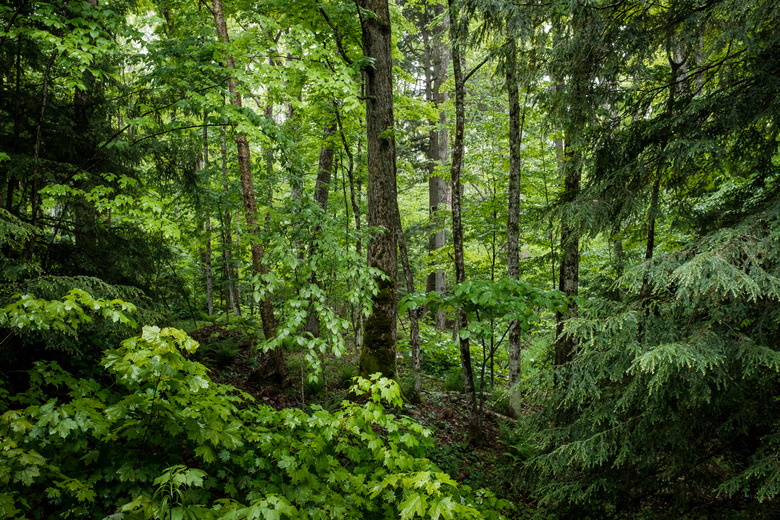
x=379, y=341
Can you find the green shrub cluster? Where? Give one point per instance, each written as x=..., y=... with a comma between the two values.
x=158, y=439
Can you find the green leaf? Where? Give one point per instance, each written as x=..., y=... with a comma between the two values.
x=413, y=505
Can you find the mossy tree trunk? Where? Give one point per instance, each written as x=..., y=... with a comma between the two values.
x=379, y=339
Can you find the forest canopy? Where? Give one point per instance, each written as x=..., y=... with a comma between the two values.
x=389, y=259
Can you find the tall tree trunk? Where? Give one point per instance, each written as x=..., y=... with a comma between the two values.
x=568, y=279
x=207, y=229
x=414, y=314
x=294, y=171
x=277, y=370
x=13, y=182
x=34, y=197
x=676, y=65
x=208, y=269
x=652, y=213
x=354, y=197
x=379, y=342
x=230, y=269
x=321, y=190
x=569, y=163
x=475, y=435
x=436, y=63
x=516, y=123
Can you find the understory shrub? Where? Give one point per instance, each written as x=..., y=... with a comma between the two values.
x=165, y=441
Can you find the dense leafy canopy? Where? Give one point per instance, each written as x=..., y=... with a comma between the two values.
x=645, y=157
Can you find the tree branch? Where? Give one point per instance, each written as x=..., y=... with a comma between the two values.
x=475, y=69
x=335, y=30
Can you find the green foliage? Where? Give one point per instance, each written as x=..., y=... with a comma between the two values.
x=347, y=374
x=110, y=119
x=30, y=313
x=439, y=353
x=484, y=300
x=222, y=352
x=14, y=234
x=38, y=328
x=694, y=367
x=166, y=442
x=490, y=306
x=453, y=380
x=314, y=283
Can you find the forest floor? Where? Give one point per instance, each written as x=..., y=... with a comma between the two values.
x=229, y=355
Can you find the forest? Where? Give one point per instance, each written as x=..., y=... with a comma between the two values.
x=379, y=259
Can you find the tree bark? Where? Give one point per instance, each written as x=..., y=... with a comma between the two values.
x=676, y=65
x=569, y=158
x=516, y=123
x=321, y=191
x=414, y=314
x=354, y=197
x=475, y=435
x=230, y=268
x=207, y=229
x=278, y=370
x=208, y=269
x=568, y=279
x=379, y=342
x=436, y=57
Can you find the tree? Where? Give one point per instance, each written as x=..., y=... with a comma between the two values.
x=475, y=434
x=668, y=385
x=379, y=343
x=276, y=368
x=436, y=57
x=513, y=210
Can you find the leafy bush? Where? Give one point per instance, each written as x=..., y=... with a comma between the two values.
x=438, y=352
x=164, y=441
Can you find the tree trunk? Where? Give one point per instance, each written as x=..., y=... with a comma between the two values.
x=569, y=154
x=568, y=280
x=277, y=370
x=379, y=342
x=475, y=435
x=414, y=314
x=437, y=59
x=652, y=213
x=295, y=174
x=34, y=196
x=230, y=269
x=207, y=229
x=354, y=197
x=516, y=123
x=321, y=190
x=676, y=65
x=207, y=268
